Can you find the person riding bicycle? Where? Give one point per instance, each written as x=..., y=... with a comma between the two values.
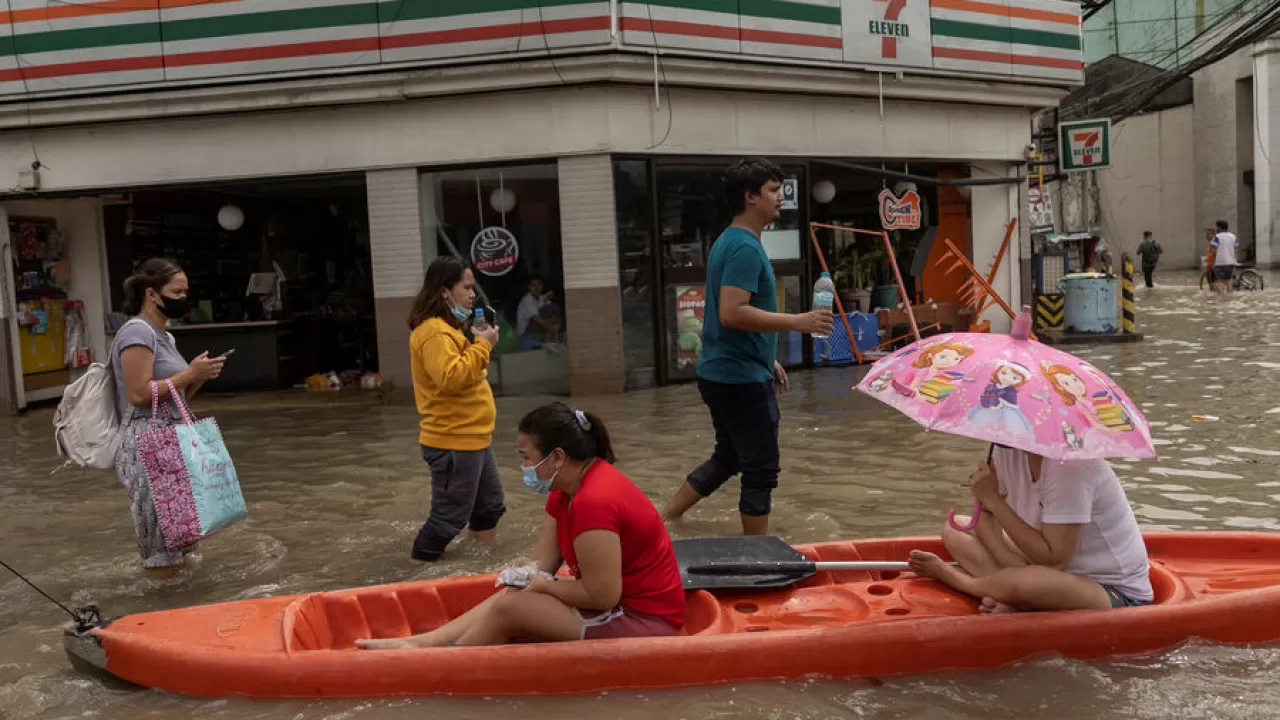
x=1223, y=246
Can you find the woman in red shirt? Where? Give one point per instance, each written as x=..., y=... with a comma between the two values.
x=625, y=581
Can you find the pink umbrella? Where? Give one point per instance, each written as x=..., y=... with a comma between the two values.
x=1013, y=391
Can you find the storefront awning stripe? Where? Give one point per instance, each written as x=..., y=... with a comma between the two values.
x=757, y=8
x=996, y=33
x=1011, y=11
x=59, y=11
x=1006, y=58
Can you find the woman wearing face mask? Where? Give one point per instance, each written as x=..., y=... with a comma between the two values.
x=451, y=387
x=625, y=581
x=143, y=353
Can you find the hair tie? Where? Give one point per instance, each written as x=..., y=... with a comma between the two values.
x=583, y=422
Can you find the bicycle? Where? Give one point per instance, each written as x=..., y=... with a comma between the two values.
x=1246, y=278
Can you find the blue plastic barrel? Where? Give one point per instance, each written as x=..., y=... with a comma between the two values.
x=1090, y=303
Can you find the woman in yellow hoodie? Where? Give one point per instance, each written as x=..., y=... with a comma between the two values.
x=455, y=401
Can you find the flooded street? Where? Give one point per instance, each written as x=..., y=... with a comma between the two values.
x=337, y=488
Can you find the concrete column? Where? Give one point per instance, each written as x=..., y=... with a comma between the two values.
x=593, y=306
x=1266, y=151
x=395, y=242
x=992, y=207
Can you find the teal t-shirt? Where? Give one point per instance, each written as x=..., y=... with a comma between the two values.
x=736, y=357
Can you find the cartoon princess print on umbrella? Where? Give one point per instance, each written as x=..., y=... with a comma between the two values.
x=1091, y=417
x=1064, y=409
x=936, y=378
x=998, y=405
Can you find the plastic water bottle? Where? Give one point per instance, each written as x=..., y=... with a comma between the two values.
x=824, y=296
x=479, y=324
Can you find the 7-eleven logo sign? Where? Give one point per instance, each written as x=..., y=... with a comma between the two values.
x=889, y=28
x=1086, y=145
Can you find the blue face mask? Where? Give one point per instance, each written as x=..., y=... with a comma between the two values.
x=533, y=482
x=459, y=312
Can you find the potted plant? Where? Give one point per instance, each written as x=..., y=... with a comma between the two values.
x=853, y=276
x=885, y=294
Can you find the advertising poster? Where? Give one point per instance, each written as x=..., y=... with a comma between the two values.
x=691, y=303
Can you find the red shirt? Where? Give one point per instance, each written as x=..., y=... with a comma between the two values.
x=608, y=500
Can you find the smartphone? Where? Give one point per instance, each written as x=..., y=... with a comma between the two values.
x=227, y=353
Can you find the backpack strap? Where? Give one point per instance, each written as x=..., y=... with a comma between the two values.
x=111, y=359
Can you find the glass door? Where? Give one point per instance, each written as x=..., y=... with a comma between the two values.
x=691, y=214
x=784, y=242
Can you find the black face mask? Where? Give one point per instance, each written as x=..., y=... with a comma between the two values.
x=174, y=308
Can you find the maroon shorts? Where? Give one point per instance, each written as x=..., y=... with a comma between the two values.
x=623, y=622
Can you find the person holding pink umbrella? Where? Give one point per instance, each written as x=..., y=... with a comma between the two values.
x=1051, y=528
x=1050, y=535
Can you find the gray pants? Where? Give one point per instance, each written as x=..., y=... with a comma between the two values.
x=466, y=491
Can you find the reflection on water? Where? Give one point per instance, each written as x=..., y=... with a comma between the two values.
x=337, y=488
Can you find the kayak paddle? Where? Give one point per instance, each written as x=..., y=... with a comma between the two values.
x=759, y=561
x=793, y=567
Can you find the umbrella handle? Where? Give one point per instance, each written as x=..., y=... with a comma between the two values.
x=973, y=519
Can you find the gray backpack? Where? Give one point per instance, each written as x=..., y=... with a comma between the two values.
x=86, y=425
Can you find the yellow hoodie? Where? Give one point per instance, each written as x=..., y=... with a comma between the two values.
x=451, y=388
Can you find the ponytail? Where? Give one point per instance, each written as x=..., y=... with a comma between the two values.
x=152, y=274
x=582, y=435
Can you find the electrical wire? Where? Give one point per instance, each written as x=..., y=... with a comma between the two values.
x=1124, y=90
x=662, y=73
x=546, y=44
x=925, y=179
x=1242, y=36
x=1213, y=28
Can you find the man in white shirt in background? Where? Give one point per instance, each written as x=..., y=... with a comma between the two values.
x=537, y=318
x=1224, y=246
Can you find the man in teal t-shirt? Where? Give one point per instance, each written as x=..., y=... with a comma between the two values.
x=737, y=369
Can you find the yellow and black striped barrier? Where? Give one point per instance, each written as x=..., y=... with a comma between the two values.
x=1126, y=294
x=1050, y=310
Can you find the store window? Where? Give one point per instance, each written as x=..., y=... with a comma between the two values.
x=279, y=271
x=692, y=212
x=634, y=208
x=505, y=222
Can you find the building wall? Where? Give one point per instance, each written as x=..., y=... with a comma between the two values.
x=395, y=243
x=1151, y=186
x=590, y=249
x=1219, y=181
x=499, y=127
x=992, y=207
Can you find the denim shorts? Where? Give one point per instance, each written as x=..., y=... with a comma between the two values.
x=1119, y=599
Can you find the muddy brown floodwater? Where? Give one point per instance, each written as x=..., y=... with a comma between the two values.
x=337, y=489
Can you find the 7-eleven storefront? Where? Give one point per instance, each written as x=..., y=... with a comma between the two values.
x=520, y=118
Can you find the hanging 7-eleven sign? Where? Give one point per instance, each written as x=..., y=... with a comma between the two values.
x=1084, y=145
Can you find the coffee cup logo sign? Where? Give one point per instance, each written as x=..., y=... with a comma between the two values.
x=494, y=251
x=899, y=213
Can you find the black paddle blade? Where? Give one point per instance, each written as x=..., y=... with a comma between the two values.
x=750, y=568
x=739, y=550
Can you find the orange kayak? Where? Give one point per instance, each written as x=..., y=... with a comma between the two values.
x=1222, y=587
